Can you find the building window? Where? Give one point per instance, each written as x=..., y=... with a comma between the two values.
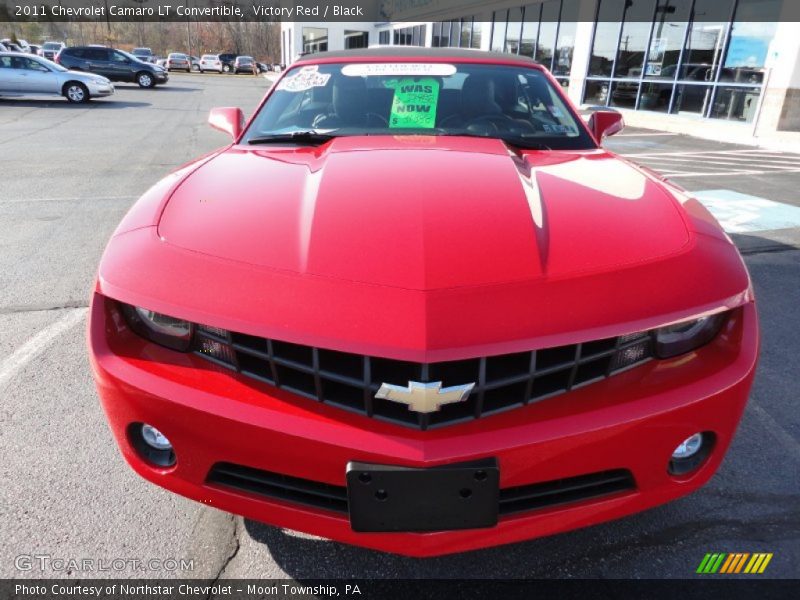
x=384, y=37
x=464, y=33
x=410, y=36
x=315, y=39
x=499, y=23
x=356, y=39
x=513, y=31
x=565, y=44
x=663, y=59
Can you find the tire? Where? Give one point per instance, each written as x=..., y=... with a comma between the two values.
x=75, y=92
x=195, y=68
x=145, y=80
x=226, y=69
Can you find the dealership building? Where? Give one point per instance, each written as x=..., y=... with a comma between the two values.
x=732, y=65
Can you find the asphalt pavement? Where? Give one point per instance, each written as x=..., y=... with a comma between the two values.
x=70, y=173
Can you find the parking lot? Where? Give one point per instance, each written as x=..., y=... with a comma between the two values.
x=69, y=175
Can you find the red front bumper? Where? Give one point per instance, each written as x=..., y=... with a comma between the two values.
x=632, y=421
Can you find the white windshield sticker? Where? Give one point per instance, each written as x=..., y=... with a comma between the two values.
x=399, y=69
x=304, y=79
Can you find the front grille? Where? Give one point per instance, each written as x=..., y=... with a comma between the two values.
x=350, y=381
x=334, y=498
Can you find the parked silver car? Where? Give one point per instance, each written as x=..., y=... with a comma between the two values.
x=27, y=75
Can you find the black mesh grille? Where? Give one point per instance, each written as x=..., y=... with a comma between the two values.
x=334, y=498
x=350, y=381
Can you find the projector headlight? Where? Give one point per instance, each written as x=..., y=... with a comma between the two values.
x=687, y=336
x=156, y=327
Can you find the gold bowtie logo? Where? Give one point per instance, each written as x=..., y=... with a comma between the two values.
x=424, y=397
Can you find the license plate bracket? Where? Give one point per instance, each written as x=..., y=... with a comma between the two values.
x=449, y=497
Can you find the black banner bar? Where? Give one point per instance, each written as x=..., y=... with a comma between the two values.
x=359, y=11
x=730, y=588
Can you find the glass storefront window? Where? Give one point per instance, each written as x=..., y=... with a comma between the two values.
x=466, y=32
x=514, y=30
x=566, y=37
x=692, y=99
x=637, y=16
x=530, y=30
x=624, y=93
x=706, y=40
x=499, y=30
x=596, y=92
x=548, y=27
x=606, y=36
x=736, y=103
x=476, y=35
x=315, y=39
x=669, y=31
x=655, y=96
x=751, y=35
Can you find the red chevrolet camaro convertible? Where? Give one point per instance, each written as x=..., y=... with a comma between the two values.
x=415, y=306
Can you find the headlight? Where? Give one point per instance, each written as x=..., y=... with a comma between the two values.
x=687, y=336
x=161, y=329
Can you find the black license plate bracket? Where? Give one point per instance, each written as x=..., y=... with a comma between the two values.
x=449, y=497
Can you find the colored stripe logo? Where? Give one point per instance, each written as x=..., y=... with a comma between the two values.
x=734, y=562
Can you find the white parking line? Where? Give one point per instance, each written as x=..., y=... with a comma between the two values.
x=727, y=173
x=713, y=152
x=13, y=363
x=619, y=135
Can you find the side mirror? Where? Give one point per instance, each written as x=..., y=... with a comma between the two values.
x=604, y=123
x=228, y=119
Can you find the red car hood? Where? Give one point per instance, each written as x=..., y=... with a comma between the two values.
x=423, y=213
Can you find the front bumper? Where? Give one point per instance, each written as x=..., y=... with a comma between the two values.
x=630, y=421
x=100, y=89
x=161, y=76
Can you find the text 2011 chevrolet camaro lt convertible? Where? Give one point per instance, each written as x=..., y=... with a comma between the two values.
x=415, y=306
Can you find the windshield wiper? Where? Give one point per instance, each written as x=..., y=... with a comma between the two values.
x=300, y=137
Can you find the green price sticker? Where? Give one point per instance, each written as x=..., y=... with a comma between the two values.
x=414, y=104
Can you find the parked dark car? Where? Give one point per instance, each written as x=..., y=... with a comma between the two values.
x=227, y=60
x=243, y=64
x=114, y=64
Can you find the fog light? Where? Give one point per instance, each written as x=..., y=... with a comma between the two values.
x=154, y=438
x=688, y=447
x=151, y=445
x=691, y=453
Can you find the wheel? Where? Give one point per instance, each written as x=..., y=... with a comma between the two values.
x=76, y=92
x=145, y=80
x=226, y=69
x=195, y=67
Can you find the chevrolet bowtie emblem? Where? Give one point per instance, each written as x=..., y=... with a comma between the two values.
x=424, y=397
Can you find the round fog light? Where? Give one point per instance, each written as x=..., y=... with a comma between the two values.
x=688, y=447
x=155, y=439
x=151, y=445
x=691, y=453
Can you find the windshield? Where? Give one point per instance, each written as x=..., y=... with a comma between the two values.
x=513, y=103
x=51, y=46
x=129, y=56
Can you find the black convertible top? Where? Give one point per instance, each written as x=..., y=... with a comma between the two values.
x=421, y=53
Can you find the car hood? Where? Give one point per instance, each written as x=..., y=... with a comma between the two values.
x=423, y=213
